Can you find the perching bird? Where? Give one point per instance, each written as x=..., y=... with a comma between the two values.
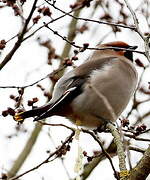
x=111, y=72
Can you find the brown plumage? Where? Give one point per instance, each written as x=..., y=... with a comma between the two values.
x=110, y=71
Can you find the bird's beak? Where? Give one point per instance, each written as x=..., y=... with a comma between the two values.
x=132, y=47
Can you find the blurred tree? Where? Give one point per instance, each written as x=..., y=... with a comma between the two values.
x=66, y=31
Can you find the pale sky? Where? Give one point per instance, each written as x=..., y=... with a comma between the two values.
x=28, y=65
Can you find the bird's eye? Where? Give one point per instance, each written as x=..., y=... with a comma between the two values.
x=116, y=49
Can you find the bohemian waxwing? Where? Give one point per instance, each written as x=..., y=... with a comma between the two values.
x=111, y=72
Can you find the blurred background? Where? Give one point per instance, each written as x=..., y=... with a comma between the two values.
x=29, y=52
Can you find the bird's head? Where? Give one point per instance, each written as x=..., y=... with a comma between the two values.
x=112, y=49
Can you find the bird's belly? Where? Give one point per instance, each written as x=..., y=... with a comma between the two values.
x=86, y=120
x=91, y=111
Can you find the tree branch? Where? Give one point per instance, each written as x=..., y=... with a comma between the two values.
x=25, y=152
x=96, y=138
x=136, y=149
x=88, y=168
x=20, y=38
x=47, y=159
x=34, y=83
x=51, y=74
x=137, y=29
x=142, y=169
x=90, y=48
x=91, y=20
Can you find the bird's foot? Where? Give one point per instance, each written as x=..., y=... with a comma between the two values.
x=102, y=129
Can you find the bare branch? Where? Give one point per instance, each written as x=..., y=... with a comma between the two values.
x=60, y=125
x=142, y=169
x=90, y=48
x=136, y=22
x=47, y=160
x=20, y=38
x=88, y=168
x=96, y=138
x=136, y=138
x=120, y=152
x=25, y=152
x=136, y=149
x=91, y=20
x=32, y=84
x=137, y=29
x=53, y=20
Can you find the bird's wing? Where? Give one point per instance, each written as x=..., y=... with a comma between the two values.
x=66, y=87
x=70, y=85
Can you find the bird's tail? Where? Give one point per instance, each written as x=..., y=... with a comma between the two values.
x=31, y=113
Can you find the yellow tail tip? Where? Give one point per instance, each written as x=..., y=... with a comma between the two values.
x=18, y=117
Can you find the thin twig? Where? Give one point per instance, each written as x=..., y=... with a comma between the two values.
x=136, y=138
x=128, y=154
x=91, y=20
x=47, y=159
x=136, y=22
x=137, y=29
x=60, y=125
x=32, y=84
x=53, y=20
x=90, y=48
x=96, y=138
x=134, y=132
x=20, y=38
x=136, y=149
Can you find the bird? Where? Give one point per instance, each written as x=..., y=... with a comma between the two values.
x=110, y=71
